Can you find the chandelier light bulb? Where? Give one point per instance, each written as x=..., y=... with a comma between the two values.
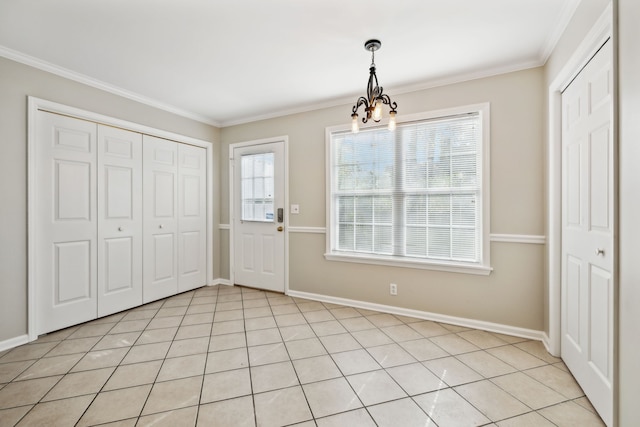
x=354, y=123
x=377, y=111
x=392, y=120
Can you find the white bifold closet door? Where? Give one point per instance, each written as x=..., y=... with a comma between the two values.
x=66, y=242
x=119, y=220
x=174, y=217
x=192, y=217
x=160, y=218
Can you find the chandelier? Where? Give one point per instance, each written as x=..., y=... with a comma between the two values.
x=375, y=98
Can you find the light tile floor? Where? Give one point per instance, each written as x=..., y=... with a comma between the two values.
x=233, y=356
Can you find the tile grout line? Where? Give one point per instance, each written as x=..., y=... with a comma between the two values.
x=206, y=361
x=298, y=303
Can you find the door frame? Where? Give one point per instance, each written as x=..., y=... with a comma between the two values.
x=598, y=35
x=602, y=31
x=37, y=104
x=232, y=200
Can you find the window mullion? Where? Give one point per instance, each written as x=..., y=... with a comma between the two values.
x=451, y=206
x=398, y=198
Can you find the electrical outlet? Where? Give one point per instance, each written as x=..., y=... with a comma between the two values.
x=393, y=289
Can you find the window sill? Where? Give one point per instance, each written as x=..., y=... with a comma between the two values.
x=451, y=267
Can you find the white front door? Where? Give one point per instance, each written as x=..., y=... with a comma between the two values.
x=160, y=204
x=119, y=220
x=588, y=231
x=258, y=215
x=66, y=259
x=192, y=217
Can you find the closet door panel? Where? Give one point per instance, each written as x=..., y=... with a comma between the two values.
x=66, y=264
x=119, y=220
x=192, y=224
x=160, y=198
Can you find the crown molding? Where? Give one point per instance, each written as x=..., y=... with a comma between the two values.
x=560, y=26
x=397, y=90
x=98, y=84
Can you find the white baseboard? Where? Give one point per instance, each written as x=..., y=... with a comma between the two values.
x=547, y=345
x=460, y=321
x=13, y=342
x=220, y=281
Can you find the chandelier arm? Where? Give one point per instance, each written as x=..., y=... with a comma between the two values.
x=370, y=88
x=387, y=101
x=373, y=89
x=361, y=101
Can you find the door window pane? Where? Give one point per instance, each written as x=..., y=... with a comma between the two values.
x=256, y=175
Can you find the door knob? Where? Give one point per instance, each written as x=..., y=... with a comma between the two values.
x=120, y=229
x=599, y=252
x=280, y=228
x=161, y=225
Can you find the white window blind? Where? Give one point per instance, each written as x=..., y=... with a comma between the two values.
x=414, y=193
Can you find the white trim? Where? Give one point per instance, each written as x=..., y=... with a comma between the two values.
x=98, y=84
x=451, y=267
x=54, y=107
x=547, y=345
x=564, y=17
x=500, y=238
x=14, y=342
x=518, y=238
x=431, y=84
x=221, y=281
x=285, y=140
x=483, y=267
x=597, y=36
x=224, y=227
x=312, y=230
x=442, y=318
x=32, y=196
x=89, y=81
x=36, y=104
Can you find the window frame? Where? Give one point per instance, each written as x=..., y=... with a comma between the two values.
x=483, y=266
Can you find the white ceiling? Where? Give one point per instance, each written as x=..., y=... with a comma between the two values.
x=231, y=61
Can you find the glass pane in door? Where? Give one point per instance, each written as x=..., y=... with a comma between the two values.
x=257, y=191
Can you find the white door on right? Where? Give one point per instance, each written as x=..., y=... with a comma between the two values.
x=588, y=231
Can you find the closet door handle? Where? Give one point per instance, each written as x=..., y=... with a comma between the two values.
x=161, y=225
x=120, y=228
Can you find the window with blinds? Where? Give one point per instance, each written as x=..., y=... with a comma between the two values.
x=415, y=193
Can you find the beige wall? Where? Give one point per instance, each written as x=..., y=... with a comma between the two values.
x=513, y=293
x=17, y=81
